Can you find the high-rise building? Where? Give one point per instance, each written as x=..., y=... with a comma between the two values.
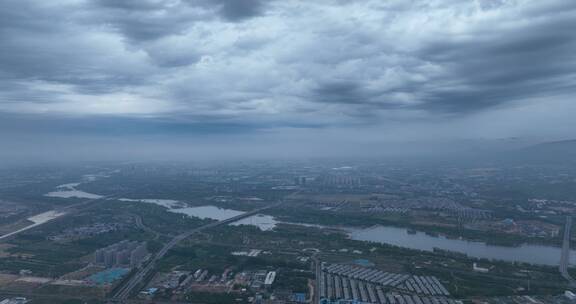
x=123, y=254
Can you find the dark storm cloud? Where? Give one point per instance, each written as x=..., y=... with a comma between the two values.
x=259, y=65
x=340, y=92
x=142, y=23
x=145, y=20
x=123, y=127
x=21, y=24
x=352, y=93
x=130, y=5
x=496, y=66
x=489, y=67
x=238, y=10
x=47, y=42
x=116, y=126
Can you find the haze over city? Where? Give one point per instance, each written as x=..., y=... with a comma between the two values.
x=287, y=151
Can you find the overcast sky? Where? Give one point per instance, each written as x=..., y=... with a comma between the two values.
x=258, y=77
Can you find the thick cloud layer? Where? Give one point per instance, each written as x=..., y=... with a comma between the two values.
x=445, y=67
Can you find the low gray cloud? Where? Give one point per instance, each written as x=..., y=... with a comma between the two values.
x=146, y=20
x=267, y=66
x=140, y=21
x=496, y=66
x=237, y=10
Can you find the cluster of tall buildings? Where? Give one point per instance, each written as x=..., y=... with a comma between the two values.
x=122, y=254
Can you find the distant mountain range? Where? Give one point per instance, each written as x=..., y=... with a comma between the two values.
x=550, y=152
x=563, y=144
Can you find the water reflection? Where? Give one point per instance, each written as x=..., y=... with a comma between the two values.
x=264, y=222
x=208, y=212
x=70, y=191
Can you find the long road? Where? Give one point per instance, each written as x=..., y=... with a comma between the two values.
x=565, y=255
x=53, y=215
x=317, y=273
x=126, y=290
x=140, y=224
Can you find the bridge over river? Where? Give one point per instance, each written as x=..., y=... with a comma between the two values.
x=126, y=289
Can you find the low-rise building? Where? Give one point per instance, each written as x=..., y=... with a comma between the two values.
x=270, y=277
x=16, y=300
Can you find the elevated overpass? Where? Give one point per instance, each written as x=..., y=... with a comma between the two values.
x=565, y=255
x=137, y=278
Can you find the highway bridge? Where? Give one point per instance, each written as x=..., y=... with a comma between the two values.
x=126, y=289
x=565, y=255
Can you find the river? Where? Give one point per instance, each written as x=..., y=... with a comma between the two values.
x=529, y=253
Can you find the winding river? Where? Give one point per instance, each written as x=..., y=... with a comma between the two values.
x=528, y=253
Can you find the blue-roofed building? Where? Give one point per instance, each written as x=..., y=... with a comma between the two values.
x=299, y=297
x=108, y=276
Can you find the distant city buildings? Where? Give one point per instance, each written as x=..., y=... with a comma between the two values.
x=78, y=233
x=125, y=254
